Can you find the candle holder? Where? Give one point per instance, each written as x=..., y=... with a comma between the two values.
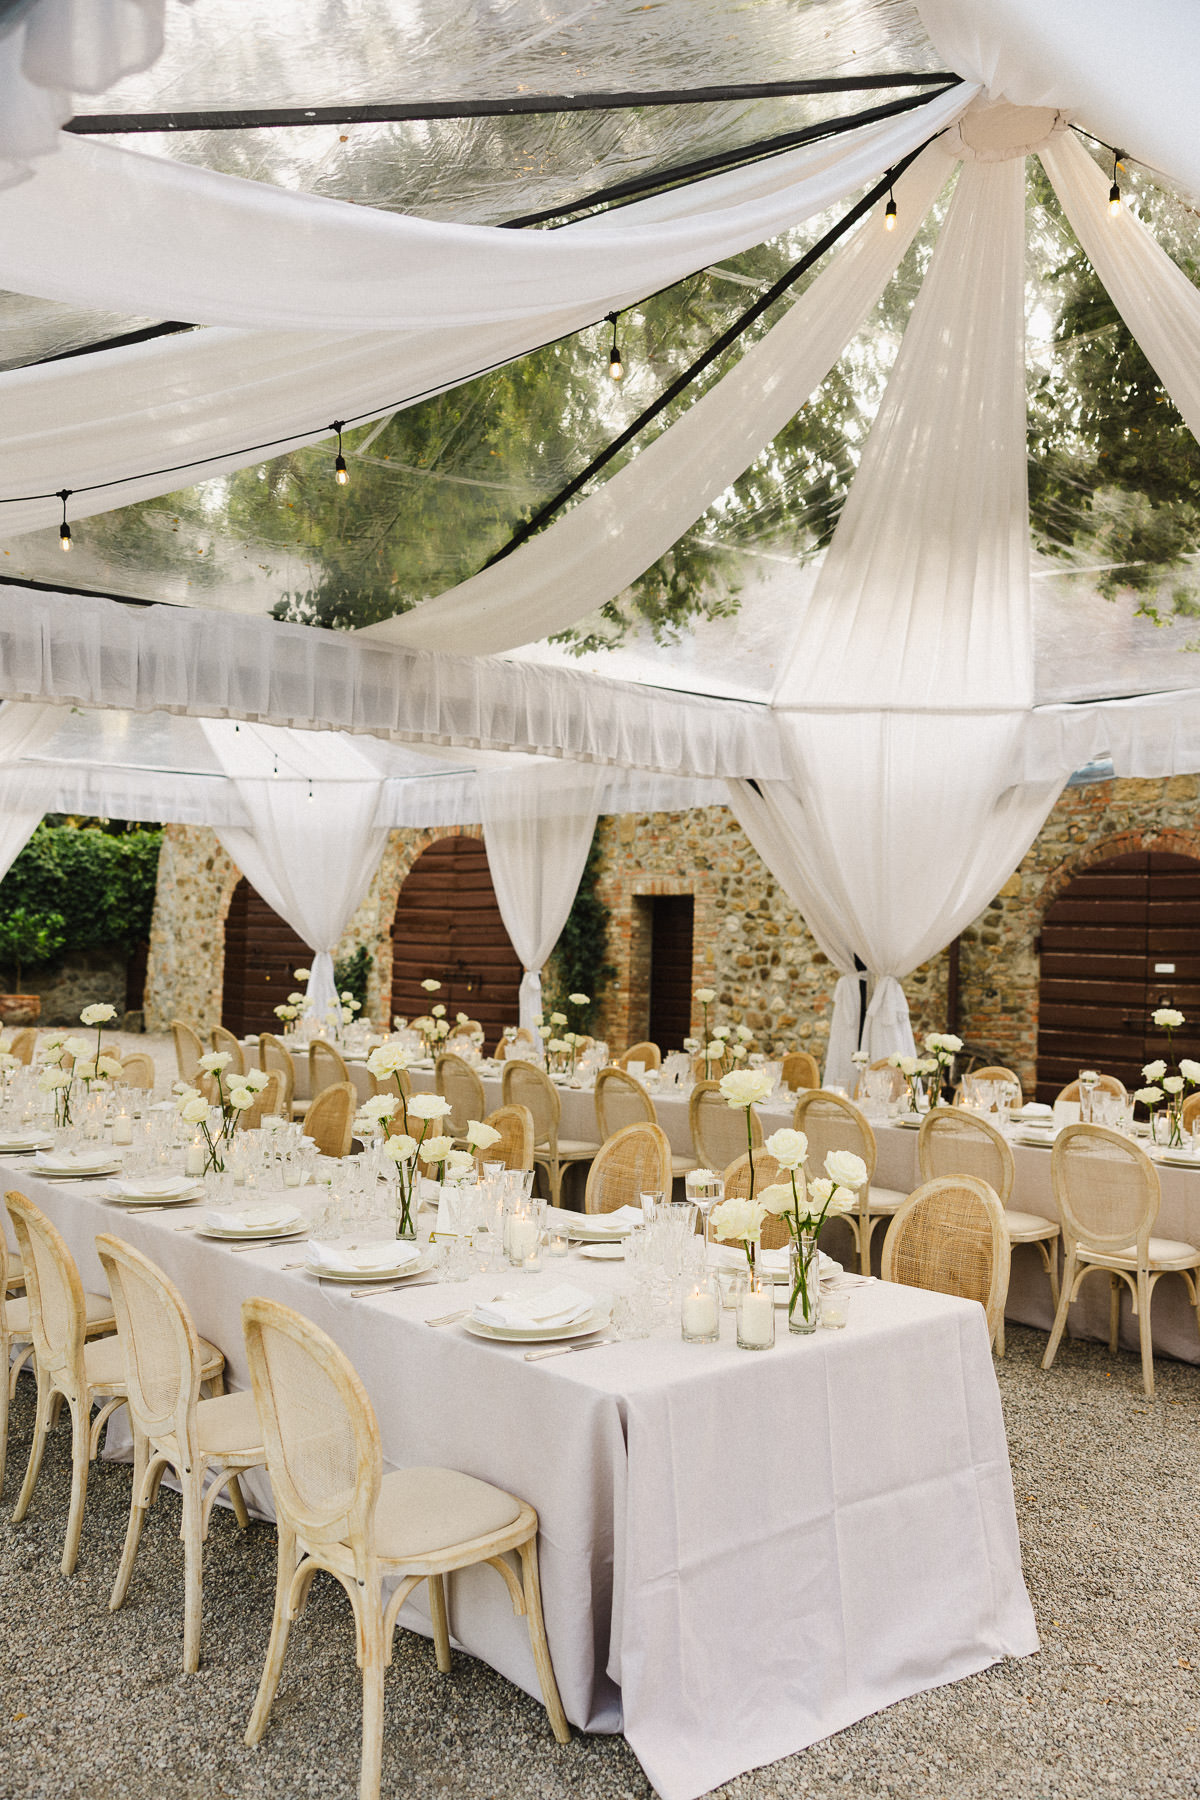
x=756, y=1314
x=700, y=1311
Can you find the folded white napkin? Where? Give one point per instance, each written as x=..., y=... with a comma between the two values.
x=368, y=1259
x=81, y=1160
x=561, y=1305
x=621, y=1219
x=35, y=1140
x=158, y=1187
x=269, y=1216
x=1034, y=1109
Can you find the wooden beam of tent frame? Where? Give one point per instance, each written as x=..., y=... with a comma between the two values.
x=399, y=112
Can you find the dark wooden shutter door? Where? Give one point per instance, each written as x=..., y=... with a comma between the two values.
x=671, y=925
x=1123, y=939
x=448, y=926
x=262, y=953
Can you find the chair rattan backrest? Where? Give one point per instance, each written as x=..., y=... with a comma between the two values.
x=621, y=1100
x=830, y=1122
x=158, y=1342
x=325, y=1066
x=524, y=1084
x=1191, y=1111
x=231, y=1047
x=737, y=1187
x=23, y=1045
x=269, y=1104
x=319, y=1429
x=57, y=1308
x=1106, y=1188
x=457, y=1082
x=800, y=1070
x=950, y=1237
x=1109, y=1084
x=952, y=1141
x=330, y=1117
x=189, y=1048
x=138, y=1071
x=636, y=1161
x=648, y=1054
x=995, y=1072
x=515, y=1149
x=718, y=1129
x=274, y=1058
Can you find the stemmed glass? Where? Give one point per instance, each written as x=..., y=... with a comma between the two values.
x=704, y=1189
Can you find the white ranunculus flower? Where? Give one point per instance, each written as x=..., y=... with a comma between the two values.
x=740, y=1220
x=271, y=1122
x=296, y=999
x=401, y=1147
x=846, y=1169
x=1189, y=1070
x=194, y=1111
x=439, y=1012
x=788, y=1147
x=778, y=1198
x=1154, y=1071
x=216, y=1059
x=428, y=1106
x=462, y=1018
x=842, y=1200
x=347, y=1015
x=458, y=1162
x=558, y=1018
x=721, y=1031
x=385, y=1059
x=108, y=1066
x=482, y=1135
x=430, y=985
x=579, y=1000
x=716, y=1048
x=440, y=1028
x=908, y=1065
x=51, y=1080
x=256, y=1079
x=284, y=1012
x=558, y=1046
x=1173, y=1084
x=738, y=1053
x=747, y=1087
x=241, y=1097
x=301, y=974
x=1169, y=1017
x=97, y=1015
x=85, y=1068
x=1149, y=1096
x=435, y=1149
x=745, y=1034
x=379, y=1106
x=706, y=996
x=184, y=1089
x=78, y=1046
x=951, y=1043
x=933, y=1040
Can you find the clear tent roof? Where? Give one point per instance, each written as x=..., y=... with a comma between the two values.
x=438, y=488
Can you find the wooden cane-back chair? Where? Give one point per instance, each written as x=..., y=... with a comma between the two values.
x=189, y=1048
x=831, y=1122
x=336, y=1510
x=330, y=1118
x=24, y=1044
x=326, y=1066
x=515, y=1149
x=137, y=1071
x=648, y=1054
x=996, y=1072
x=622, y=1100
x=800, y=1070
x=16, y=1341
x=527, y=1085
x=718, y=1129
x=711, y=1068
x=267, y=1104
x=636, y=1161
x=457, y=1082
x=174, y=1428
x=950, y=1236
x=225, y=1042
x=1190, y=1112
x=1107, y=1193
x=775, y=1233
x=274, y=1058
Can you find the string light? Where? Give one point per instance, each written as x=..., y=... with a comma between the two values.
x=64, y=530
x=340, y=472
x=616, y=368
x=889, y=212
x=1114, y=192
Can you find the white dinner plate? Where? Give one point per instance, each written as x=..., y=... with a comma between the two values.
x=360, y=1277
x=260, y=1231
x=596, y=1320
x=604, y=1252
x=19, y=1146
x=184, y=1197
x=58, y=1172
x=1177, y=1160
x=1041, y=1140
x=582, y=1227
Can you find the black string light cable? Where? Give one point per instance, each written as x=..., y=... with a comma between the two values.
x=64, y=530
x=340, y=472
x=616, y=368
x=717, y=348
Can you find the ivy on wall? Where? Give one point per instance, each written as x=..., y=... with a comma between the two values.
x=579, y=961
x=100, y=882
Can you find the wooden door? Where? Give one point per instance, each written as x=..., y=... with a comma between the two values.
x=671, y=923
x=448, y=927
x=1123, y=939
x=262, y=953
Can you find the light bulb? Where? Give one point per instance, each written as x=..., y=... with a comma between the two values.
x=64, y=536
x=1114, y=198
x=340, y=472
x=616, y=368
x=889, y=215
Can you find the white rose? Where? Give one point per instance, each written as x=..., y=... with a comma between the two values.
x=691, y=1045
x=737, y=1219
x=788, y=1147
x=184, y=1089
x=579, y=1000
x=347, y=1015
x=481, y=1135
x=51, y=1080
x=301, y=974
x=241, y=1097
x=399, y=1022
x=78, y=1046
x=216, y=1059
x=435, y=1149
x=439, y=1012
x=745, y=1034
x=295, y=999
x=387, y=1058
x=430, y=986
x=721, y=1031
x=933, y=1040
x=85, y=1070
x=194, y=1111
x=459, y=1162
x=1173, y=1084
x=841, y=1200
x=108, y=1066
x=441, y=1029
x=1154, y=1071
x=1189, y=1070
x=400, y=1147
x=706, y=996
x=908, y=1065
x=820, y=1190
x=861, y=1057
x=778, y=1198
x=1149, y=1096
x=558, y=1018
x=1169, y=1017
x=271, y=1122
x=951, y=1043
x=97, y=1015
x=379, y=1106
x=738, y=1053
x=846, y=1169
x=428, y=1106
x=558, y=1046
x=746, y=1087
x=284, y=1012
x=256, y=1079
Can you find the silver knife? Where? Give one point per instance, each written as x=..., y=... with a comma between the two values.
x=389, y=1287
x=569, y=1349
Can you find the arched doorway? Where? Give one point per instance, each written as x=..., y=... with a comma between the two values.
x=448, y=926
x=1122, y=939
x=262, y=953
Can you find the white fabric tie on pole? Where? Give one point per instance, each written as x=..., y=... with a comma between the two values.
x=594, y=551
x=537, y=831
x=313, y=846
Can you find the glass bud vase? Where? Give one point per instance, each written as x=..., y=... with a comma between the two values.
x=756, y=1313
x=407, y=1203
x=804, y=1277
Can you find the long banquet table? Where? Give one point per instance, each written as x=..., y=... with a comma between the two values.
x=741, y=1553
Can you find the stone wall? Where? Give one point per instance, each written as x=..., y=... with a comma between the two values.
x=85, y=978
x=186, y=966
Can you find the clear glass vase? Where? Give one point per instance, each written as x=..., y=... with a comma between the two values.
x=804, y=1278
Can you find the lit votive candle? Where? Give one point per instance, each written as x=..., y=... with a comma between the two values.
x=756, y=1318
x=700, y=1316
x=122, y=1131
x=194, y=1159
x=522, y=1239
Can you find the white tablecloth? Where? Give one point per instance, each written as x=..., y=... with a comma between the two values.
x=741, y=1553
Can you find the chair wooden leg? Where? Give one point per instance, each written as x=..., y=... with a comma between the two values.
x=37, y=1449
x=1049, y=1253
x=371, y=1625
x=238, y=1502
x=193, y=1571
x=280, y=1625
x=866, y=1233
x=441, y=1624
x=80, y=1463
x=1060, y=1314
x=137, y=1518
x=999, y=1346
x=537, y=1640
x=1143, y=1291
x=1115, y=1285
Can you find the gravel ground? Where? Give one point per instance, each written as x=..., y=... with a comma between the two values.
x=93, y=1704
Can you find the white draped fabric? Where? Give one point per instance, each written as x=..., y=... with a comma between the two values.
x=1129, y=78
x=312, y=847
x=537, y=830
x=23, y=730
x=592, y=554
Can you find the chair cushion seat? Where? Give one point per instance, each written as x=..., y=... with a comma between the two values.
x=574, y=1147
x=884, y=1200
x=1165, y=1253
x=683, y=1165
x=227, y=1429
x=1027, y=1228
x=99, y=1314
x=422, y=1511
x=104, y=1364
